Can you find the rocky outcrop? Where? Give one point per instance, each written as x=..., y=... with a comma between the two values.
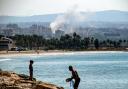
x=11, y=80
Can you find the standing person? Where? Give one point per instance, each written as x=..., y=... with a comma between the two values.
x=31, y=70
x=74, y=76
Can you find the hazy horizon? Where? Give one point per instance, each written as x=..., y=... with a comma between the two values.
x=42, y=7
x=61, y=13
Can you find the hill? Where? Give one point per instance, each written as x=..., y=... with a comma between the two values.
x=101, y=16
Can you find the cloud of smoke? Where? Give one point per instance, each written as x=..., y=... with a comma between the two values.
x=69, y=21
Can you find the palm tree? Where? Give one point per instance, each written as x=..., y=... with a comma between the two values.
x=96, y=43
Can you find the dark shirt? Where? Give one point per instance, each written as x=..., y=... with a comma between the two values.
x=30, y=67
x=75, y=75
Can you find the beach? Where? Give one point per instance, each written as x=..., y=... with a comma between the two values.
x=27, y=53
x=5, y=54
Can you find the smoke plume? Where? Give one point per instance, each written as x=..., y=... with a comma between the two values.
x=69, y=21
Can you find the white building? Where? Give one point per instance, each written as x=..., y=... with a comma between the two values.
x=6, y=43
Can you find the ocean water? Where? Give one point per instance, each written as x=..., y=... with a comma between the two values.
x=97, y=70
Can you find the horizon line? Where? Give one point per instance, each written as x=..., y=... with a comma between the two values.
x=61, y=13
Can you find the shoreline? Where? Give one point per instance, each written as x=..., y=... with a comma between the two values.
x=3, y=54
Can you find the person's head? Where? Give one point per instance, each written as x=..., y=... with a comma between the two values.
x=70, y=68
x=31, y=61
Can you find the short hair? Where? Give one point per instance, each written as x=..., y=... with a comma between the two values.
x=31, y=61
x=70, y=67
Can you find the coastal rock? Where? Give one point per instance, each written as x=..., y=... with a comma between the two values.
x=11, y=80
x=47, y=86
x=5, y=73
x=25, y=77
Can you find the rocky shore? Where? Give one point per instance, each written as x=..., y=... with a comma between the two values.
x=11, y=80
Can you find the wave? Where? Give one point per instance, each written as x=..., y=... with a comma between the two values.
x=5, y=59
x=82, y=62
x=75, y=53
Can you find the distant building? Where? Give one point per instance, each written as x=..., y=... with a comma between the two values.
x=40, y=31
x=7, y=32
x=6, y=43
x=112, y=34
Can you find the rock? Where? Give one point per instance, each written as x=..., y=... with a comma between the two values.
x=13, y=87
x=10, y=80
x=42, y=86
x=5, y=73
x=47, y=86
x=25, y=77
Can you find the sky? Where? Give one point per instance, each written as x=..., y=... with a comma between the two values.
x=39, y=7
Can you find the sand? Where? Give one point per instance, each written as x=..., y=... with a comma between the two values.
x=4, y=54
x=28, y=53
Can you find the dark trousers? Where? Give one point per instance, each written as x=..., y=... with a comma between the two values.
x=31, y=75
x=76, y=84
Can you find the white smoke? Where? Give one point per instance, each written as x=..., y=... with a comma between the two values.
x=69, y=21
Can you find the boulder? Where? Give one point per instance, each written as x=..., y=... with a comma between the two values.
x=11, y=80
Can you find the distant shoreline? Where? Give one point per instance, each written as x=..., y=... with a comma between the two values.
x=4, y=54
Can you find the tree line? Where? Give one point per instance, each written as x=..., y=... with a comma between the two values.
x=65, y=42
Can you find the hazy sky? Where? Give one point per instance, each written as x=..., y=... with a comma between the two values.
x=37, y=7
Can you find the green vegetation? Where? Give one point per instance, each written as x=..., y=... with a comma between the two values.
x=66, y=42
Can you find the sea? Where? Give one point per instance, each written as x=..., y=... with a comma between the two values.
x=97, y=70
